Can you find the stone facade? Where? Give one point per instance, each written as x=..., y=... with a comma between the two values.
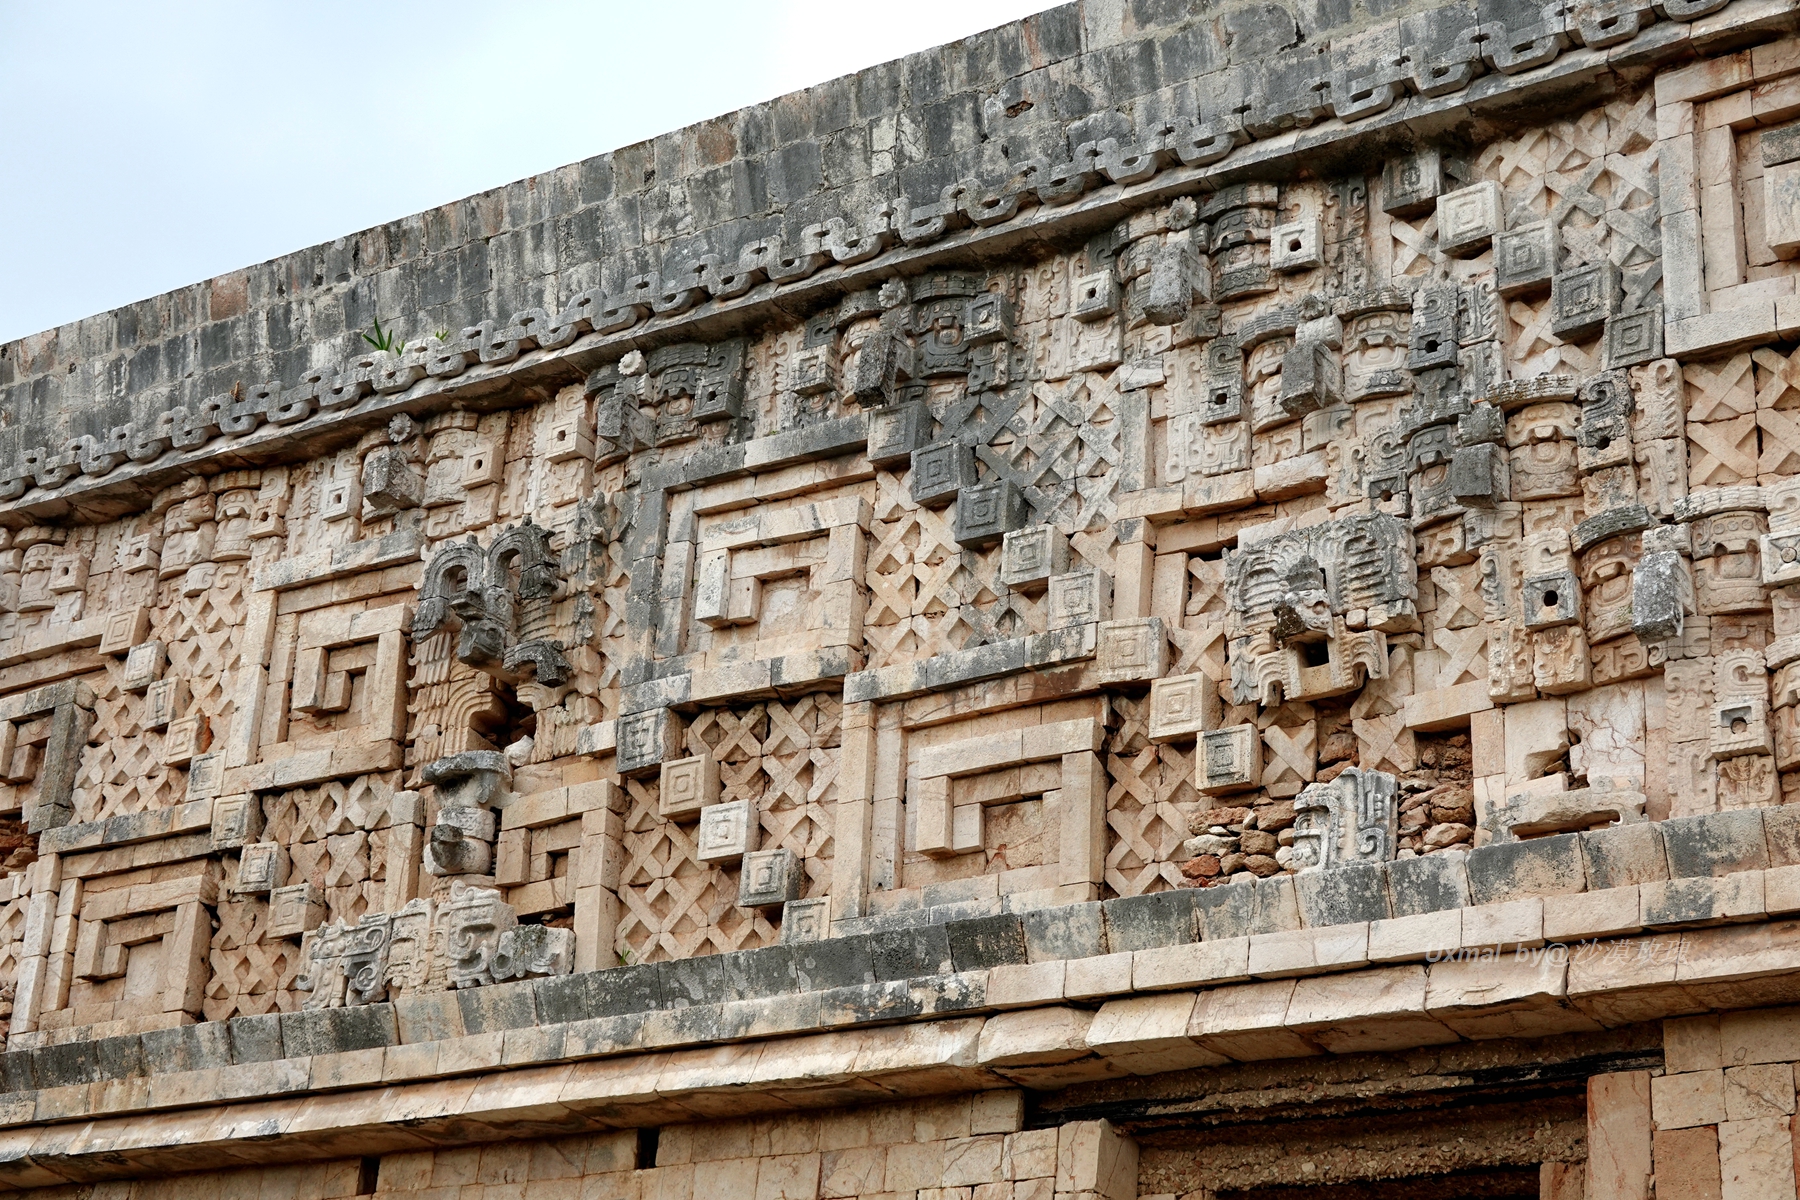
x=1053, y=620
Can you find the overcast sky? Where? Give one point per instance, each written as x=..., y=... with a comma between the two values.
x=148, y=146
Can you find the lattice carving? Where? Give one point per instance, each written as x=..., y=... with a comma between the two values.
x=782, y=758
x=1150, y=792
x=251, y=973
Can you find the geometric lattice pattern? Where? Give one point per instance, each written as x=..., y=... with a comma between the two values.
x=1150, y=793
x=782, y=757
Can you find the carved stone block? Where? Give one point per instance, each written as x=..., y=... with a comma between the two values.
x=1079, y=598
x=295, y=909
x=1525, y=258
x=474, y=920
x=770, y=878
x=1132, y=651
x=806, y=921
x=941, y=472
x=646, y=740
x=184, y=738
x=1469, y=217
x=262, y=867
x=1741, y=726
x=896, y=431
x=125, y=627
x=1353, y=819
x=1181, y=706
x=1411, y=185
x=987, y=512
x=1634, y=337
x=1030, y=556
x=688, y=785
x=1228, y=760
x=1096, y=297
x=143, y=666
x=206, y=775
x=236, y=821
x=1296, y=246
x=1551, y=599
x=1582, y=298
x=728, y=832
x=533, y=952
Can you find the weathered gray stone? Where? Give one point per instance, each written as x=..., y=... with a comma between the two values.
x=1545, y=866
x=1225, y=912
x=1715, y=843
x=910, y=953
x=1154, y=919
x=1428, y=883
x=1277, y=905
x=1067, y=931
x=1621, y=855
x=255, y=1039
x=1343, y=894
x=986, y=942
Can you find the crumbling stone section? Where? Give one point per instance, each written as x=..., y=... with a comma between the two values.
x=1143, y=544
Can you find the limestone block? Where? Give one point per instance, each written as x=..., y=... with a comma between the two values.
x=895, y=431
x=687, y=786
x=987, y=512
x=728, y=832
x=1099, y=977
x=1757, y=1091
x=1511, y=925
x=1369, y=1011
x=1094, y=1158
x=1619, y=1133
x=1182, y=706
x=1714, y=844
x=1029, y=557
x=770, y=878
x=1702, y=900
x=1132, y=651
x=1540, y=867
x=1781, y=208
x=1687, y=1163
x=940, y=472
x=1429, y=883
x=646, y=740
x=1756, y=1158
x=1248, y=1023
x=262, y=867
x=1525, y=258
x=1343, y=894
x=1469, y=217
x=1230, y=760
x=1614, y=912
x=1079, y=598
x=1417, y=936
x=1623, y=855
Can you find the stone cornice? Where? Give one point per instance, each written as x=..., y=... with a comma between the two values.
x=509, y=360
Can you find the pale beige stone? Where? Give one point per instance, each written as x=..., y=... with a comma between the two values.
x=1506, y=926
x=1226, y=960
x=1609, y=912
x=1756, y=1159
x=1763, y=1090
x=1366, y=1011
x=1022, y=985
x=1686, y=1100
x=1142, y=1023
x=1248, y=1022
x=1101, y=975
x=1619, y=1159
x=1033, y=1037
x=1422, y=935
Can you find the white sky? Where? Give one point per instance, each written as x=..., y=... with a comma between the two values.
x=148, y=146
